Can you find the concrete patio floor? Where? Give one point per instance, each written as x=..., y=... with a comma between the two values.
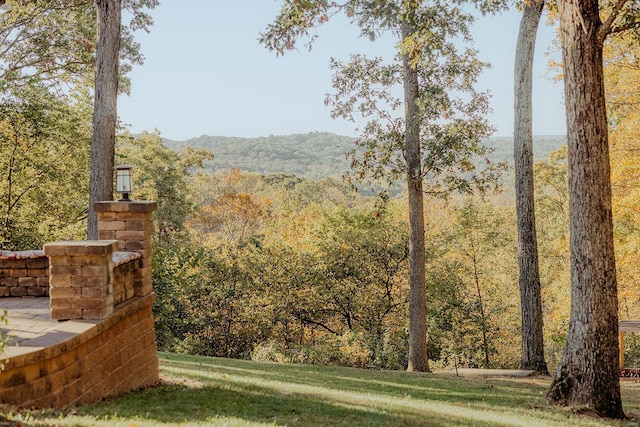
x=30, y=327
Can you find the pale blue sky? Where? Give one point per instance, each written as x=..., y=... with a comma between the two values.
x=205, y=73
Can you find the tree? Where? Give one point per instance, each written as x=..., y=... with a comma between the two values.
x=105, y=113
x=532, y=356
x=162, y=175
x=47, y=40
x=362, y=253
x=588, y=372
x=337, y=294
x=43, y=143
x=229, y=212
x=417, y=146
x=621, y=75
x=480, y=252
x=418, y=353
x=53, y=42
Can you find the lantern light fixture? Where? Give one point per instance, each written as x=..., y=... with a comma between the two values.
x=124, y=181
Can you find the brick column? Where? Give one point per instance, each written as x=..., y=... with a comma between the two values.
x=81, y=279
x=131, y=224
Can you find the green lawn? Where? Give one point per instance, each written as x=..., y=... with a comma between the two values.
x=198, y=391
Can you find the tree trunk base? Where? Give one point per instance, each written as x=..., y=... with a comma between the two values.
x=422, y=369
x=539, y=367
x=563, y=392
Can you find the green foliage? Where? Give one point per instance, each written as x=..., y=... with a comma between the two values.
x=342, y=298
x=45, y=147
x=451, y=330
x=484, y=250
x=48, y=40
x=430, y=145
x=53, y=41
x=364, y=256
x=3, y=338
x=315, y=155
x=204, y=301
x=227, y=322
x=175, y=269
x=552, y=225
x=472, y=284
x=450, y=119
x=449, y=110
x=333, y=291
x=162, y=175
x=319, y=277
x=631, y=350
x=345, y=350
x=46, y=67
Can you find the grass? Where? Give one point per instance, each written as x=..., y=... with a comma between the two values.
x=199, y=391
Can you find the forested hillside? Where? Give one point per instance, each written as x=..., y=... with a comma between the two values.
x=316, y=155
x=313, y=155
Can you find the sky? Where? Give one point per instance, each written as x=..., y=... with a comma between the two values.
x=206, y=74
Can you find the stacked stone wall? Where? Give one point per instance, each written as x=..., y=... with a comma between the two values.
x=131, y=225
x=124, y=281
x=105, y=343
x=116, y=355
x=24, y=273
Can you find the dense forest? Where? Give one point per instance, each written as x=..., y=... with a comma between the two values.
x=284, y=268
x=280, y=267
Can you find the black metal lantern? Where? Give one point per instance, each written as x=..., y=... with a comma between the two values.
x=124, y=181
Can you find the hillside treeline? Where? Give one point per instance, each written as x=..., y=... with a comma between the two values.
x=317, y=155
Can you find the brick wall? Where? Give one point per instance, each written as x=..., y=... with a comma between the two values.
x=24, y=273
x=124, y=281
x=81, y=279
x=115, y=355
x=130, y=223
x=113, y=349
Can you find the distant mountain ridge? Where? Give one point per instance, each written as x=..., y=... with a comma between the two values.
x=317, y=155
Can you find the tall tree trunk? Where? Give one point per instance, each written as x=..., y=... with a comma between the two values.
x=105, y=107
x=588, y=371
x=532, y=356
x=418, y=353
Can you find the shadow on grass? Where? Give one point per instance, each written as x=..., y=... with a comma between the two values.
x=182, y=404
x=434, y=387
x=214, y=391
x=179, y=404
x=211, y=391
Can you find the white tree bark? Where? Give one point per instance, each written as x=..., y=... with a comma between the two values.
x=532, y=356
